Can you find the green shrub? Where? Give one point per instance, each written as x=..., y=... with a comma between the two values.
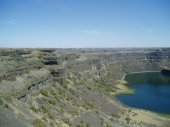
x=44, y=92
x=115, y=115
x=53, y=102
x=89, y=88
x=58, y=98
x=45, y=109
x=128, y=120
x=38, y=123
x=72, y=91
x=102, y=121
x=1, y=102
x=87, y=124
x=89, y=105
x=65, y=86
x=53, y=92
x=33, y=108
x=5, y=96
x=67, y=121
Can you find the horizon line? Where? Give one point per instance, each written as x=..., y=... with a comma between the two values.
x=83, y=47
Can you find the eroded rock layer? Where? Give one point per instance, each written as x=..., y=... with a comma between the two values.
x=74, y=87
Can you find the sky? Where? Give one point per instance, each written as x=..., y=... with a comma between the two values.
x=84, y=23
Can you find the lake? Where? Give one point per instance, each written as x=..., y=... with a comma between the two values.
x=152, y=92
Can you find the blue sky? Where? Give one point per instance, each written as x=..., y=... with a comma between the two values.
x=84, y=23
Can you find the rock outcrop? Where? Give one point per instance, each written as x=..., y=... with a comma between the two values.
x=73, y=87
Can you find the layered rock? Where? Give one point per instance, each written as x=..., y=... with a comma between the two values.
x=71, y=87
x=25, y=83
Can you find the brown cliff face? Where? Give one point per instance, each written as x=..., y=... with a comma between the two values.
x=71, y=87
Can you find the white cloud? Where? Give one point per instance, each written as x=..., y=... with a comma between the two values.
x=96, y=32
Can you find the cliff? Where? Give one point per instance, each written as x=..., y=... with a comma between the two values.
x=73, y=87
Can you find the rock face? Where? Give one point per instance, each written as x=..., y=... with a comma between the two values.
x=25, y=83
x=165, y=71
x=72, y=87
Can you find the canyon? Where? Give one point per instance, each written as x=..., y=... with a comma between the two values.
x=75, y=87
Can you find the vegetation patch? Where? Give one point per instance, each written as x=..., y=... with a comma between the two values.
x=128, y=120
x=1, y=102
x=106, y=88
x=39, y=123
x=115, y=115
x=52, y=101
x=67, y=121
x=45, y=109
x=44, y=92
x=5, y=96
x=33, y=108
x=160, y=114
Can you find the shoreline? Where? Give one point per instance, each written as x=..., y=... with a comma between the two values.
x=163, y=115
x=137, y=72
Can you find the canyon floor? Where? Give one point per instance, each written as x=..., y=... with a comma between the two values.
x=75, y=87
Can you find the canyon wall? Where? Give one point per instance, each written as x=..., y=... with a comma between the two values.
x=50, y=86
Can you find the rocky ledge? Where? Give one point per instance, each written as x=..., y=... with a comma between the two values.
x=74, y=87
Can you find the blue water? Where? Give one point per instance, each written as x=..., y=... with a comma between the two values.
x=152, y=92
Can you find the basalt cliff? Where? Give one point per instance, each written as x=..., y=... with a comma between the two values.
x=74, y=87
